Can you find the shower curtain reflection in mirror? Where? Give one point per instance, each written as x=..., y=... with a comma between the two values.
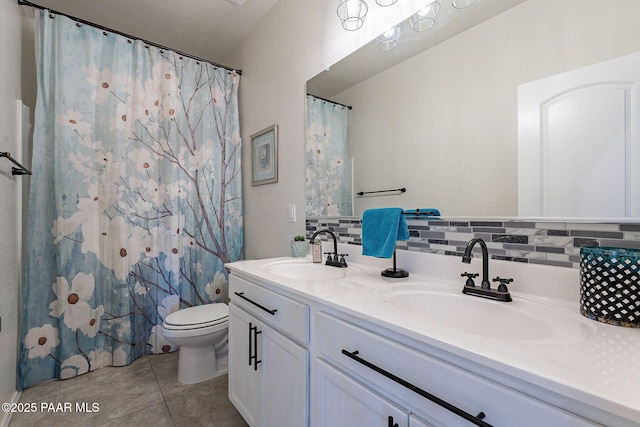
x=135, y=200
x=328, y=165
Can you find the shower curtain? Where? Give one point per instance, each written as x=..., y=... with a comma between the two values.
x=328, y=166
x=135, y=200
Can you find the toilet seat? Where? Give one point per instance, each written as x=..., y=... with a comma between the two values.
x=197, y=317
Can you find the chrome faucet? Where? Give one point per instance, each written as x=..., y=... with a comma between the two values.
x=485, y=291
x=338, y=259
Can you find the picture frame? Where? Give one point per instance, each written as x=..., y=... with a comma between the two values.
x=264, y=156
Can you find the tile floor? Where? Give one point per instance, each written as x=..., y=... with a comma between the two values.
x=147, y=392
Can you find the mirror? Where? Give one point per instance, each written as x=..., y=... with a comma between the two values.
x=438, y=115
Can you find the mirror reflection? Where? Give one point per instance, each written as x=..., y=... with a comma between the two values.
x=443, y=123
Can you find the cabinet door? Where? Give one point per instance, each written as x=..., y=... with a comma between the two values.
x=245, y=379
x=417, y=422
x=340, y=401
x=285, y=370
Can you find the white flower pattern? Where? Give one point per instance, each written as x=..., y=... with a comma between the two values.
x=216, y=290
x=72, y=300
x=40, y=340
x=136, y=225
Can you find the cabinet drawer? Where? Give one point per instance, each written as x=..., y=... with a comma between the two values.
x=466, y=391
x=285, y=314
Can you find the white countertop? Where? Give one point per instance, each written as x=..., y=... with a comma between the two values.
x=590, y=362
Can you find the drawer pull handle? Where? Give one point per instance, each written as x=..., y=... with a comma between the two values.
x=477, y=420
x=271, y=312
x=391, y=423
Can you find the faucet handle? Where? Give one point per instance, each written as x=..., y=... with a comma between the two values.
x=470, y=277
x=343, y=262
x=502, y=287
x=329, y=258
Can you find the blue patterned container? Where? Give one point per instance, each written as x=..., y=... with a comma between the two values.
x=610, y=285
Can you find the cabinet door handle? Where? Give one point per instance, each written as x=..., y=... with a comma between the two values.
x=391, y=423
x=271, y=312
x=253, y=346
x=477, y=420
x=251, y=327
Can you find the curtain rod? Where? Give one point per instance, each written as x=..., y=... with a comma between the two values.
x=129, y=36
x=328, y=100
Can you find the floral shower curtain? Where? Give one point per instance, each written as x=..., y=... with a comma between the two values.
x=328, y=166
x=135, y=200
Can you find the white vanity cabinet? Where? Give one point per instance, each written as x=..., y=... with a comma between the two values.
x=417, y=422
x=268, y=360
x=308, y=353
x=403, y=377
x=342, y=402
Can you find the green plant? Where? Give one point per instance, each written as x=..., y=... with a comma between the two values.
x=298, y=238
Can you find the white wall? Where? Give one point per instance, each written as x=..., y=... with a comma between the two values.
x=297, y=40
x=11, y=70
x=444, y=123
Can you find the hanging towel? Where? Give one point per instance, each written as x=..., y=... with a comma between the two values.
x=381, y=228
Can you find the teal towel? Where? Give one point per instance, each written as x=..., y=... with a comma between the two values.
x=381, y=228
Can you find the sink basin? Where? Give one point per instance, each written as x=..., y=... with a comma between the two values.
x=309, y=271
x=520, y=320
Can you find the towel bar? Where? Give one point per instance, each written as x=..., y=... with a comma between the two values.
x=362, y=193
x=20, y=170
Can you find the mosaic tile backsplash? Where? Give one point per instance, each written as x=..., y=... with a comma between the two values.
x=550, y=243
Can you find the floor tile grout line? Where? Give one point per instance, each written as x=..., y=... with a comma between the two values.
x=164, y=397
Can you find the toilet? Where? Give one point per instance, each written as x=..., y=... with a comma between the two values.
x=201, y=332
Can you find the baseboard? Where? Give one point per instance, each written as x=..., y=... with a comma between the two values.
x=6, y=416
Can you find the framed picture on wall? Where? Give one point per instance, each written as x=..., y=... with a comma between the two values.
x=264, y=156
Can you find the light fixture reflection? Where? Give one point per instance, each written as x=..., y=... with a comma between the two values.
x=352, y=13
x=425, y=18
x=390, y=38
x=386, y=2
x=461, y=4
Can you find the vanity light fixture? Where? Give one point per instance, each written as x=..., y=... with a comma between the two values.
x=425, y=18
x=390, y=38
x=386, y=3
x=352, y=13
x=461, y=4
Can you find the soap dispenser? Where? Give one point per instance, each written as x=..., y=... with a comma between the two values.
x=316, y=250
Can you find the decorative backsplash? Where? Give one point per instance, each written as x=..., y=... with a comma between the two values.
x=550, y=243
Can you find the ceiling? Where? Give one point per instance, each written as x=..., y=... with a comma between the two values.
x=208, y=29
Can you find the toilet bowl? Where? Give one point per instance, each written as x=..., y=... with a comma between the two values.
x=201, y=332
